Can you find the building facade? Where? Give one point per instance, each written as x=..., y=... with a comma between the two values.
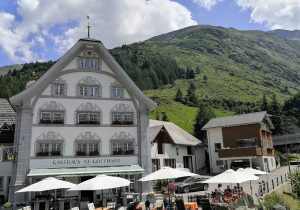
x=240, y=141
x=172, y=146
x=83, y=117
x=7, y=128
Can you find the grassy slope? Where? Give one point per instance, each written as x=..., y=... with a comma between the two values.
x=263, y=64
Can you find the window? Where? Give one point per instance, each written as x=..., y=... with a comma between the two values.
x=58, y=89
x=88, y=63
x=219, y=162
x=49, y=149
x=1, y=183
x=217, y=146
x=160, y=147
x=88, y=118
x=122, y=119
x=155, y=164
x=122, y=148
x=189, y=150
x=117, y=92
x=89, y=90
x=87, y=148
x=51, y=117
x=170, y=162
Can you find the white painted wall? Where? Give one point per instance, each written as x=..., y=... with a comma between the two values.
x=214, y=135
x=171, y=153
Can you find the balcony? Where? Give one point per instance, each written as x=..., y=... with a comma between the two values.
x=239, y=152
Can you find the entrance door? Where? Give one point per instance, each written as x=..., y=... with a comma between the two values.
x=87, y=195
x=266, y=164
x=187, y=162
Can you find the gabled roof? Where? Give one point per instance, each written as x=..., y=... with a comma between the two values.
x=7, y=113
x=178, y=135
x=52, y=73
x=236, y=120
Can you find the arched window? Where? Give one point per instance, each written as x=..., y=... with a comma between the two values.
x=88, y=113
x=122, y=144
x=51, y=112
x=122, y=114
x=87, y=144
x=49, y=144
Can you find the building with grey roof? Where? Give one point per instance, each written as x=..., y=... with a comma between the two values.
x=243, y=140
x=172, y=146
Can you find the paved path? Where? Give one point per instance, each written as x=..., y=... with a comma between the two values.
x=280, y=174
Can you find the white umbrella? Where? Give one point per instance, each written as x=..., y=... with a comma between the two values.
x=102, y=182
x=231, y=176
x=167, y=173
x=255, y=171
x=49, y=183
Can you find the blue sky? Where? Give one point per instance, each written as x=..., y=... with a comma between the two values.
x=32, y=30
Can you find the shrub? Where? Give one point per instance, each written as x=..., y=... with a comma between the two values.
x=7, y=205
x=294, y=179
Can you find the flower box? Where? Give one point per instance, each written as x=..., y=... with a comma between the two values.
x=129, y=152
x=42, y=154
x=81, y=153
x=119, y=152
x=94, y=153
x=55, y=153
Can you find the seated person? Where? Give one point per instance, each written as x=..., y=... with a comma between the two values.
x=219, y=189
x=228, y=192
x=167, y=203
x=237, y=189
x=215, y=200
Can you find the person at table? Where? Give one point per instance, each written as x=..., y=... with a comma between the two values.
x=215, y=200
x=219, y=189
x=237, y=189
x=228, y=192
x=167, y=203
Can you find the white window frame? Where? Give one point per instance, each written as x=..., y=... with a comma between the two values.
x=49, y=147
x=87, y=146
x=85, y=63
x=117, y=92
x=58, y=89
x=89, y=117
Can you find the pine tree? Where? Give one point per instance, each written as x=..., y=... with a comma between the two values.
x=164, y=116
x=264, y=104
x=204, y=114
x=190, y=74
x=191, y=98
x=179, y=96
x=276, y=117
x=198, y=70
x=205, y=78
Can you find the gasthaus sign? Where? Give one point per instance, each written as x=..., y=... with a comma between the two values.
x=82, y=162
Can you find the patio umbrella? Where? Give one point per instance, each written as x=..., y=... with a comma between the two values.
x=49, y=183
x=167, y=173
x=255, y=171
x=231, y=176
x=101, y=182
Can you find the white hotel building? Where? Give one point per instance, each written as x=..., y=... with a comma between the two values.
x=83, y=117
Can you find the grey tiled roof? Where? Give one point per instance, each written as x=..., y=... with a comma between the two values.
x=7, y=113
x=242, y=119
x=178, y=135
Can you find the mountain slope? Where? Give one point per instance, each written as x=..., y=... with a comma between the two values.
x=286, y=34
x=234, y=69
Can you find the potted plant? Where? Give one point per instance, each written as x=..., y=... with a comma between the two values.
x=42, y=153
x=7, y=205
x=118, y=152
x=94, y=153
x=55, y=153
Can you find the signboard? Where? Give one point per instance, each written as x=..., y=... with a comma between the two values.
x=65, y=162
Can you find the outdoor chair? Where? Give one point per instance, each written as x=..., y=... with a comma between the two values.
x=75, y=208
x=111, y=205
x=91, y=206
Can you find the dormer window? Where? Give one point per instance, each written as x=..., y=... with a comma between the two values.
x=88, y=63
x=59, y=87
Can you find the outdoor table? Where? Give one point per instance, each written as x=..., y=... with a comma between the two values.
x=100, y=208
x=191, y=205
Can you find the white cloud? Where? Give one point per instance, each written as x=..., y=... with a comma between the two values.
x=208, y=4
x=114, y=22
x=274, y=14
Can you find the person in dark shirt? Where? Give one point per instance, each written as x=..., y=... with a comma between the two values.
x=147, y=205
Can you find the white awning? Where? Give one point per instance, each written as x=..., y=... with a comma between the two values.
x=91, y=171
